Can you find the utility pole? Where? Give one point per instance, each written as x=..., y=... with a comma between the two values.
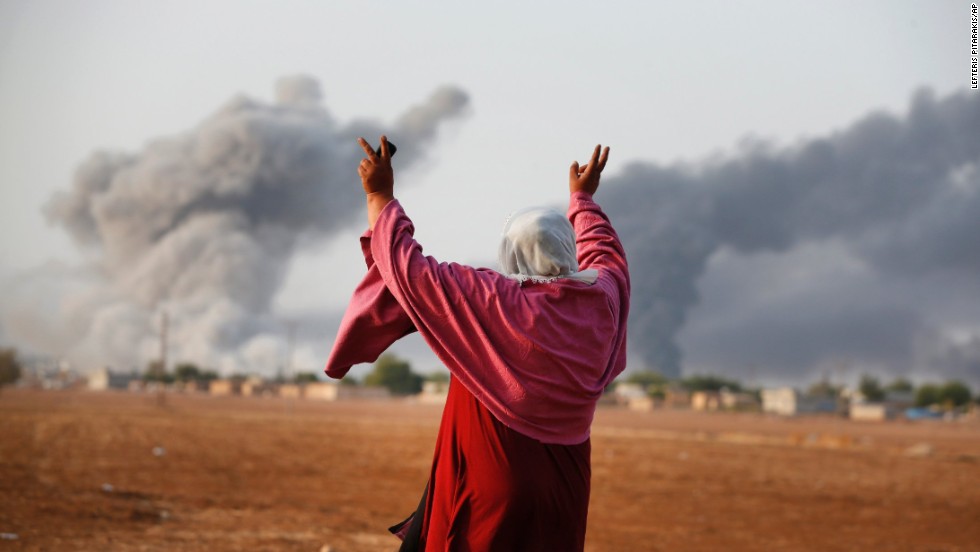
x=164, y=322
x=159, y=372
x=290, y=339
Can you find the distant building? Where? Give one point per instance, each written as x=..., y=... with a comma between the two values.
x=256, y=386
x=104, y=379
x=641, y=404
x=41, y=372
x=732, y=400
x=627, y=391
x=634, y=396
x=676, y=397
x=224, y=387
x=923, y=413
x=291, y=391
x=706, y=401
x=871, y=412
x=894, y=403
x=434, y=392
x=334, y=391
x=322, y=391
x=787, y=401
x=709, y=401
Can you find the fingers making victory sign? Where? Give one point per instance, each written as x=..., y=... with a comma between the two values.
x=586, y=178
x=375, y=170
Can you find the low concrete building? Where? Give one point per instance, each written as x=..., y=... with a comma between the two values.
x=627, y=391
x=104, y=379
x=787, y=401
x=724, y=399
x=894, y=403
x=49, y=373
x=676, y=397
x=334, y=391
x=634, y=396
x=706, y=401
x=731, y=400
x=871, y=412
x=224, y=387
x=641, y=404
x=291, y=390
x=434, y=392
x=322, y=391
x=256, y=386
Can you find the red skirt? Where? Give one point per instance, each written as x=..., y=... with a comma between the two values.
x=492, y=488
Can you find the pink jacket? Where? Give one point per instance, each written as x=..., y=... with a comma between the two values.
x=537, y=354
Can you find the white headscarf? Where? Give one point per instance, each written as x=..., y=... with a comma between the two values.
x=539, y=244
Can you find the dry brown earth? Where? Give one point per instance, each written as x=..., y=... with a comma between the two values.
x=78, y=472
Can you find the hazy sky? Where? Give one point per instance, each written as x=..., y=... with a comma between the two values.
x=659, y=82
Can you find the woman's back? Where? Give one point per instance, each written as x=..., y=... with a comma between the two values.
x=537, y=354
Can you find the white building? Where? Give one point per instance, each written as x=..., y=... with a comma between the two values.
x=870, y=412
x=787, y=401
x=434, y=392
x=104, y=379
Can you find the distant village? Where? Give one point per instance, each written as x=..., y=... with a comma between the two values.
x=640, y=390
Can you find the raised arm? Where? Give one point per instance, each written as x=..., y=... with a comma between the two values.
x=373, y=319
x=597, y=244
x=449, y=304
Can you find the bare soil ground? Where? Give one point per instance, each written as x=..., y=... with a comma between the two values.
x=121, y=471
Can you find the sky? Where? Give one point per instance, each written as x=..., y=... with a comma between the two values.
x=510, y=94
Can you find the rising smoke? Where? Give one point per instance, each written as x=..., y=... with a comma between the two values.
x=203, y=225
x=862, y=247
x=858, y=249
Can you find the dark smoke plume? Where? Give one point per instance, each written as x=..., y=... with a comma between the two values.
x=897, y=196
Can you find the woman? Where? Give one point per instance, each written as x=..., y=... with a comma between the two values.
x=530, y=350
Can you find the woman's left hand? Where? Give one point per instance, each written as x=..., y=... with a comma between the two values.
x=586, y=178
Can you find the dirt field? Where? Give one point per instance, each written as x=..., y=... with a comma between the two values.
x=120, y=471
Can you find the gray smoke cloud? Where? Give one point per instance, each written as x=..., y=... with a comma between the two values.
x=859, y=249
x=203, y=225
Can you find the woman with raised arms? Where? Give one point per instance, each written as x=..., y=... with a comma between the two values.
x=530, y=349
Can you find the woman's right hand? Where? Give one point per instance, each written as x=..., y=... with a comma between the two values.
x=586, y=178
x=377, y=179
x=375, y=170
